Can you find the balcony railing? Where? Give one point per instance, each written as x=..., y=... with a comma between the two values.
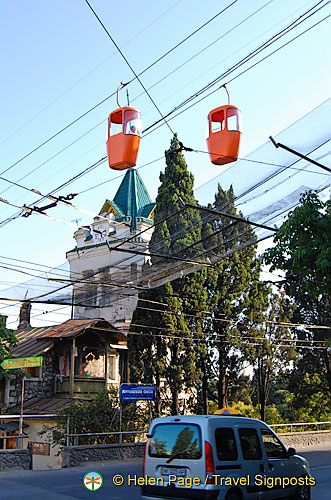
x=82, y=385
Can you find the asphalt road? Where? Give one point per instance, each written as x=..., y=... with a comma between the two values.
x=68, y=483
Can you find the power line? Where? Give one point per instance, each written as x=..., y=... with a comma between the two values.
x=81, y=116
x=265, y=45
x=265, y=163
x=131, y=68
x=216, y=341
x=243, y=61
x=239, y=337
x=89, y=73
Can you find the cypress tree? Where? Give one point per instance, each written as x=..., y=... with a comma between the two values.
x=168, y=350
x=233, y=287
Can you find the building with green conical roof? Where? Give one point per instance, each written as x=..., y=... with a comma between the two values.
x=103, y=264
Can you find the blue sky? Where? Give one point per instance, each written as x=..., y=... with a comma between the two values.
x=58, y=62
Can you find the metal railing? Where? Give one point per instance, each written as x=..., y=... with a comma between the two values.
x=297, y=426
x=89, y=434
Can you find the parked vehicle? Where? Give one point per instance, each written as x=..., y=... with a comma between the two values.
x=220, y=457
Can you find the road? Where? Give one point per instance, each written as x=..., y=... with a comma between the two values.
x=68, y=483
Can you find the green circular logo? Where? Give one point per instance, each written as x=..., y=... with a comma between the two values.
x=93, y=481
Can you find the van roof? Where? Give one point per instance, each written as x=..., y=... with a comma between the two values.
x=200, y=419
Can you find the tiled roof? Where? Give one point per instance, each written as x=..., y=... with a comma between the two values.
x=35, y=341
x=132, y=199
x=44, y=406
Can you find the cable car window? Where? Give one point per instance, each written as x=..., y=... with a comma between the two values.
x=116, y=125
x=132, y=122
x=217, y=121
x=233, y=119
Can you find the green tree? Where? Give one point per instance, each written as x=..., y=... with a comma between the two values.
x=165, y=348
x=8, y=341
x=272, y=353
x=302, y=251
x=235, y=296
x=99, y=414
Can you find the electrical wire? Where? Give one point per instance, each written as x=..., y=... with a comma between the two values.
x=263, y=163
x=260, y=48
x=170, y=337
x=157, y=124
x=79, y=117
x=88, y=73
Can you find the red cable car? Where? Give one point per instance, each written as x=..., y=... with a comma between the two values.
x=224, y=134
x=124, y=131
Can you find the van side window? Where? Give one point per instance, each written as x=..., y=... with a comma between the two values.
x=250, y=444
x=273, y=447
x=226, y=444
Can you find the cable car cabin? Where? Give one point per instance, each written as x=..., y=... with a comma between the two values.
x=124, y=131
x=224, y=127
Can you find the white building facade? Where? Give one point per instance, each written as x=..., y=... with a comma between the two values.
x=109, y=255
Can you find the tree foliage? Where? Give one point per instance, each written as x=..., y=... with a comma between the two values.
x=8, y=341
x=302, y=251
x=165, y=348
x=235, y=296
x=99, y=414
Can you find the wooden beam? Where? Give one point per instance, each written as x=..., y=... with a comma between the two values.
x=72, y=368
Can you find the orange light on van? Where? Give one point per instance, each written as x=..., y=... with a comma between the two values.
x=228, y=411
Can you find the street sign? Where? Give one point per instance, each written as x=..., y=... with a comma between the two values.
x=137, y=392
x=12, y=363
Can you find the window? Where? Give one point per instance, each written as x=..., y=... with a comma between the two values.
x=226, y=444
x=250, y=444
x=217, y=121
x=33, y=372
x=116, y=125
x=177, y=441
x=112, y=367
x=272, y=445
x=132, y=122
x=233, y=119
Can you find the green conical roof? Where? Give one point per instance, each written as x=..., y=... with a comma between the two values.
x=131, y=201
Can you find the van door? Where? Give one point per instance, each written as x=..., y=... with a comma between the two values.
x=280, y=468
x=254, y=463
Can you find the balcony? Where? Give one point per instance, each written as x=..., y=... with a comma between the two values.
x=82, y=385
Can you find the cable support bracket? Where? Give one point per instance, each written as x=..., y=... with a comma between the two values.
x=57, y=199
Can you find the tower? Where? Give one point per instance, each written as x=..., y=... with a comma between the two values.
x=104, y=276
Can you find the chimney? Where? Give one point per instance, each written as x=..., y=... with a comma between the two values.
x=25, y=310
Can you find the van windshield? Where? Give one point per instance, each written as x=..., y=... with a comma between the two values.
x=176, y=441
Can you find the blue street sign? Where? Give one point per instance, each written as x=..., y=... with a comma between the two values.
x=137, y=392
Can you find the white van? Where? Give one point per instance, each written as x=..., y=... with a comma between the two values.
x=220, y=457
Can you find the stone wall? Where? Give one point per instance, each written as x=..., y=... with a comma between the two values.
x=77, y=455
x=15, y=459
x=42, y=387
x=299, y=439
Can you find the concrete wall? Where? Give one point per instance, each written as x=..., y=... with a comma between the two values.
x=15, y=459
x=77, y=455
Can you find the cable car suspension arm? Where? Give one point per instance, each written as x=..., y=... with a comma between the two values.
x=304, y=157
